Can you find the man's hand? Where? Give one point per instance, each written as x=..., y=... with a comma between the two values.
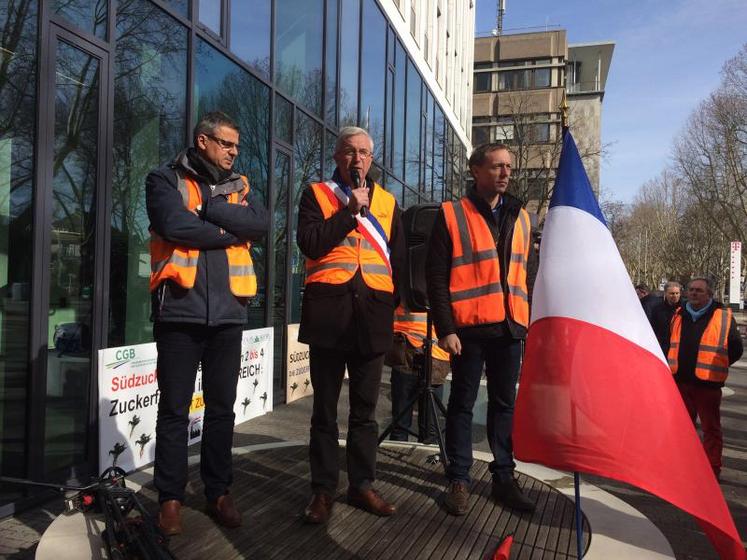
x=358, y=199
x=451, y=344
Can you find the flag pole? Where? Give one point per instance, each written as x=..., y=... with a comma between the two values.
x=579, y=526
x=576, y=476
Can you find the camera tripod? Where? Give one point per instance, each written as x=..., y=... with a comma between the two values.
x=130, y=532
x=429, y=405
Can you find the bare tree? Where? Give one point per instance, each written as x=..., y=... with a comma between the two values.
x=711, y=153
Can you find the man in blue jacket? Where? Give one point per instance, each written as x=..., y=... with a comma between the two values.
x=201, y=222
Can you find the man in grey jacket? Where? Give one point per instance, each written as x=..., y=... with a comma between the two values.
x=202, y=222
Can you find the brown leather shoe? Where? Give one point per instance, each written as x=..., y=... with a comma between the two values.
x=224, y=512
x=371, y=501
x=319, y=508
x=170, y=517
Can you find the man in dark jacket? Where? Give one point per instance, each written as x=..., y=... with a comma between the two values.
x=662, y=313
x=352, y=238
x=201, y=278
x=648, y=300
x=478, y=287
x=704, y=342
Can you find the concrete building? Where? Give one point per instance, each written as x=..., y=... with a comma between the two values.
x=521, y=81
x=95, y=93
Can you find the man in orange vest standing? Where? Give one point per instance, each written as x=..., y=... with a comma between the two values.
x=350, y=232
x=476, y=271
x=704, y=341
x=202, y=223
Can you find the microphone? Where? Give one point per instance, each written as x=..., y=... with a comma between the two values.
x=356, y=178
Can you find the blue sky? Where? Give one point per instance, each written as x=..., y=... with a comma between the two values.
x=667, y=59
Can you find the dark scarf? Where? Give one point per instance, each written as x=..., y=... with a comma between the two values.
x=212, y=173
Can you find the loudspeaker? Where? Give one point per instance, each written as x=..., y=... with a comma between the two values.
x=418, y=223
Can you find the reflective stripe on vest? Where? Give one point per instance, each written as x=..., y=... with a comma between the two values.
x=413, y=325
x=354, y=251
x=477, y=295
x=712, y=362
x=172, y=262
x=518, y=298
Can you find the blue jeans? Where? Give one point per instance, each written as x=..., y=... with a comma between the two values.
x=501, y=358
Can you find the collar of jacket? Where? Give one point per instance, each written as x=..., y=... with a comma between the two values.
x=231, y=184
x=509, y=204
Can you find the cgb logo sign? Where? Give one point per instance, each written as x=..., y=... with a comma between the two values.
x=129, y=397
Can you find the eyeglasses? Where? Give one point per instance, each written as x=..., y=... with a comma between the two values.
x=224, y=144
x=350, y=153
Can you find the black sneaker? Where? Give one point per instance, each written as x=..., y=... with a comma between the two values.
x=508, y=493
x=456, y=500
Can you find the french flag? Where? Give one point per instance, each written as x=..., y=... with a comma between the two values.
x=596, y=393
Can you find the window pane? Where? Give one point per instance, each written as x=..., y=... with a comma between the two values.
x=373, y=78
x=298, y=52
x=427, y=127
x=150, y=110
x=539, y=132
x=217, y=80
x=411, y=198
x=307, y=155
x=483, y=82
x=350, y=27
x=398, y=165
x=480, y=135
x=389, y=129
x=412, y=170
x=329, y=150
x=181, y=7
x=281, y=188
x=542, y=77
x=397, y=190
x=438, y=154
x=331, y=63
x=18, y=36
x=72, y=248
x=89, y=15
x=210, y=12
x=283, y=119
x=250, y=33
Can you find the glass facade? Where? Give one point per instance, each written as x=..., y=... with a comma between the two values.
x=94, y=94
x=18, y=102
x=150, y=124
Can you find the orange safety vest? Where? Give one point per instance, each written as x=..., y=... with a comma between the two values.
x=354, y=251
x=475, y=285
x=169, y=261
x=413, y=325
x=712, y=363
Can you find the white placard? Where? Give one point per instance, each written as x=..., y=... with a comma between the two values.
x=735, y=272
x=129, y=395
x=298, y=376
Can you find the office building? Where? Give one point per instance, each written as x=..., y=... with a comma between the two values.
x=521, y=83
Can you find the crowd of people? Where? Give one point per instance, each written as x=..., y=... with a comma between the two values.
x=479, y=272
x=700, y=339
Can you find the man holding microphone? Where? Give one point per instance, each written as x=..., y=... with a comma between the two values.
x=350, y=232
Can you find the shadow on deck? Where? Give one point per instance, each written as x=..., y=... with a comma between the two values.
x=271, y=488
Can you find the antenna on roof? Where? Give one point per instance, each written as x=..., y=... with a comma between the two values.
x=501, y=10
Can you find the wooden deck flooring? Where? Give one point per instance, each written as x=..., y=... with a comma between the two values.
x=271, y=487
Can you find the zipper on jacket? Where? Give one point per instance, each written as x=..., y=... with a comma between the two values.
x=161, y=297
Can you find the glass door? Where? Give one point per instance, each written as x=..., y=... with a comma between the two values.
x=71, y=292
